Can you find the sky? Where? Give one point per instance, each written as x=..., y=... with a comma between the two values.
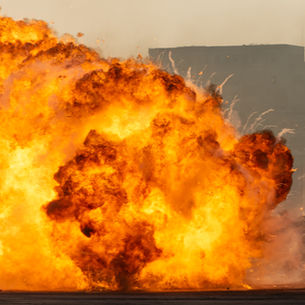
x=124, y=28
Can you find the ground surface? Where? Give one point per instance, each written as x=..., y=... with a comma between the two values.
x=252, y=297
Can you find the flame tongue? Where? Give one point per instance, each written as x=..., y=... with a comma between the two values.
x=153, y=189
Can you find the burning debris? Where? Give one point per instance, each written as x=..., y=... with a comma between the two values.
x=117, y=175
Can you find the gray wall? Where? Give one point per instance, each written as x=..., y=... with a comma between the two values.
x=265, y=76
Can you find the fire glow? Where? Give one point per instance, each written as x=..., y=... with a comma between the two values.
x=117, y=175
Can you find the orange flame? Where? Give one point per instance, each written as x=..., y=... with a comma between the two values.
x=117, y=175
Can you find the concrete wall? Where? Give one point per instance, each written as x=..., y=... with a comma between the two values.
x=264, y=77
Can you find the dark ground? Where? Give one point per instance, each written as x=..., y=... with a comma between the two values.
x=291, y=297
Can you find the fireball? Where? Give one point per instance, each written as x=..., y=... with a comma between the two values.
x=117, y=175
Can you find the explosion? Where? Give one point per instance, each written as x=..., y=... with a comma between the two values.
x=117, y=175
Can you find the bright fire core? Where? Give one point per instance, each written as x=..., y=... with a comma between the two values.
x=118, y=175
